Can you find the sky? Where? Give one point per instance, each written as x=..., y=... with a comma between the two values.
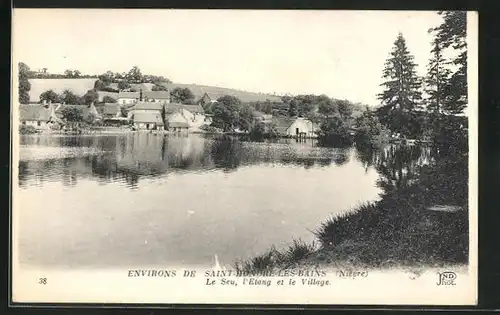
x=337, y=53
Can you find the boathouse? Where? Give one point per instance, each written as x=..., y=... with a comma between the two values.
x=296, y=127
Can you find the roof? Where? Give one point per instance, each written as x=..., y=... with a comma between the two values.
x=34, y=113
x=174, y=107
x=145, y=117
x=283, y=123
x=148, y=106
x=178, y=124
x=110, y=108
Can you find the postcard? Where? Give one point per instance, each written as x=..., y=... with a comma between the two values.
x=267, y=157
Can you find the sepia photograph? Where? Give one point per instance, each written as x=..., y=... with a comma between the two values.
x=244, y=156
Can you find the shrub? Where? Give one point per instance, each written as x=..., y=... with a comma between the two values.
x=298, y=251
x=27, y=130
x=369, y=129
x=263, y=262
x=210, y=129
x=348, y=225
x=334, y=131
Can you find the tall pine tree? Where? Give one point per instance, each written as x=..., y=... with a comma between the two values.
x=437, y=80
x=401, y=95
x=452, y=33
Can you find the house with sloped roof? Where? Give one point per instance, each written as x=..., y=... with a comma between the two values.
x=35, y=115
x=148, y=115
x=143, y=96
x=127, y=97
x=43, y=116
x=111, y=110
x=177, y=123
x=114, y=114
x=192, y=115
x=295, y=127
x=155, y=96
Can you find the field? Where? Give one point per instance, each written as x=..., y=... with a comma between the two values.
x=77, y=86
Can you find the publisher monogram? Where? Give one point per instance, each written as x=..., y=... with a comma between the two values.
x=446, y=278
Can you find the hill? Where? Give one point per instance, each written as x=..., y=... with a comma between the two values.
x=244, y=96
x=77, y=86
x=81, y=86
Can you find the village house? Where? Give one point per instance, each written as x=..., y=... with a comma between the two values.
x=148, y=115
x=111, y=110
x=128, y=97
x=115, y=114
x=156, y=96
x=185, y=117
x=209, y=98
x=35, y=115
x=43, y=116
x=146, y=96
x=178, y=124
x=296, y=127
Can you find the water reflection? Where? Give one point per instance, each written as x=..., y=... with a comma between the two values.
x=397, y=165
x=198, y=195
x=129, y=158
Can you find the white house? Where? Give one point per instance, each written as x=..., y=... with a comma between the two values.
x=38, y=115
x=192, y=115
x=148, y=115
x=296, y=127
x=127, y=97
x=35, y=115
x=143, y=96
x=155, y=96
x=177, y=122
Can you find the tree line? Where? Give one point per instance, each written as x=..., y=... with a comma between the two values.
x=417, y=107
x=125, y=79
x=229, y=113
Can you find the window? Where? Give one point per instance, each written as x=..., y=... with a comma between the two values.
x=39, y=123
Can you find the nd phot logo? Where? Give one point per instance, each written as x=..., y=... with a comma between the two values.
x=446, y=278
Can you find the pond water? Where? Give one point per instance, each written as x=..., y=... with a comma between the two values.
x=153, y=200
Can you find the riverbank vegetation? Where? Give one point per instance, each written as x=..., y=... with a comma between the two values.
x=421, y=217
x=27, y=130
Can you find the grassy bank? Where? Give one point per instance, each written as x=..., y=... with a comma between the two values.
x=422, y=222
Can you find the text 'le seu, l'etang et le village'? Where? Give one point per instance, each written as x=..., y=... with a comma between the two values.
x=236, y=277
